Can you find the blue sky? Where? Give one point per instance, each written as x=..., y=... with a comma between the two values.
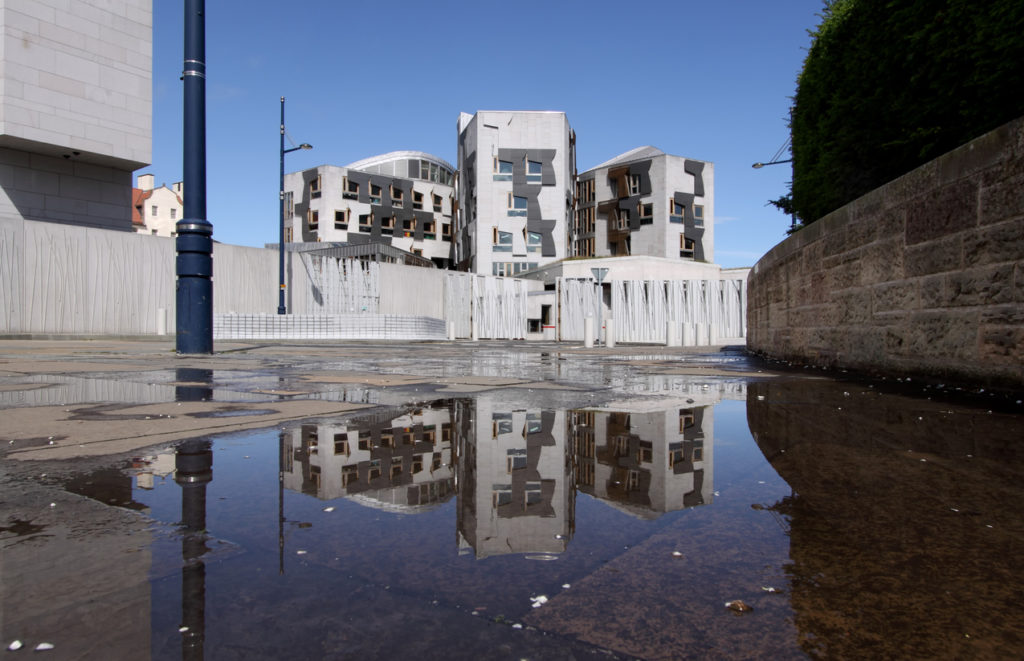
x=705, y=80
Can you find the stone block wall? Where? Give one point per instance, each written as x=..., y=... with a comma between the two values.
x=923, y=276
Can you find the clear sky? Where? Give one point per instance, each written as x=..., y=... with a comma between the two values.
x=706, y=80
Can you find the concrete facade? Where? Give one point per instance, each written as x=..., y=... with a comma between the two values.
x=515, y=190
x=645, y=202
x=404, y=199
x=75, y=109
x=924, y=275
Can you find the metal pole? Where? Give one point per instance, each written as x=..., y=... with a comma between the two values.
x=280, y=267
x=194, y=244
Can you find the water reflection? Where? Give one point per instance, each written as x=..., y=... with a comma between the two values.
x=516, y=471
x=193, y=472
x=903, y=528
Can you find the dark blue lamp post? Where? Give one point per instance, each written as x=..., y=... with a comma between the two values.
x=281, y=309
x=194, y=243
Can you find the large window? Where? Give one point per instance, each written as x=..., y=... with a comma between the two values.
x=502, y=170
x=397, y=196
x=502, y=241
x=698, y=215
x=686, y=247
x=437, y=202
x=633, y=182
x=313, y=218
x=646, y=211
x=341, y=219
x=417, y=200
x=349, y=189
x=534, y=172
x=675, y=211
x=533, y=242
x=517, y=205
x=374, y=193
x=314, y=187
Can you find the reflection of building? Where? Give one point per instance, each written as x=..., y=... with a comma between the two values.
x=515, y=483
x=401, y=462
x=642, y=461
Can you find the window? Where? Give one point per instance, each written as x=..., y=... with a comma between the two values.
x=365, y=222
x=675, y=211
x=437, y=203
x=502, y=241
x=153, y=210
x=429, y=229
x=534, y=170
x=698, y=215
x=374, y=193
x=646, y=211
x=349, y=189
x=516, y=460
x=409, y=225
x=387, y=225
x=313, y=217
x=633, y=181
x=686, y=246
x=517, y=205
x=341, y=219
x=174, y=214
x=314, y=188
x=502, y=170
x=417, y=200
x=289, y=204
x=533, y=493
x=397, y=196
x=585, y=191
x=533, y=242
x=446, y=231
x=501, y=494
x=341, y=444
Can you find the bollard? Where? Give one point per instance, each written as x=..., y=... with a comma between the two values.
x=161, y=321
x=451, y=331
x=712, y=334
x=609, y=333
x=672, y=334
x=588, y=332
x=688, y=335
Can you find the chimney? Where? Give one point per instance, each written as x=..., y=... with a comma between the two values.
x=176, y=187
x=146, y=182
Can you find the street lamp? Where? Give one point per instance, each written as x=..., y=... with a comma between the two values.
x=305, y=145
x=759, y=165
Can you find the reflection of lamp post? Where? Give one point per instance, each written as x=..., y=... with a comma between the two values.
x=280, y=301
x=193, y=470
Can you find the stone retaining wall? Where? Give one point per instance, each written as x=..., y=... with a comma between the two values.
x=924, y=275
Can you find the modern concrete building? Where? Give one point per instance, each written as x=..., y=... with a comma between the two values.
x=403, y=199
x=515, y=190
x=645, y=203
x=75, y=109
x=156, y=211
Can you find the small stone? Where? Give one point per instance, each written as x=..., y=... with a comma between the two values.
x=738, y=606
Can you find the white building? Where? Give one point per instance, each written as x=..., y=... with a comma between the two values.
x=645, y=202
x=515, y=190
x=156, y=211
x=403, y=199
x=75, y=109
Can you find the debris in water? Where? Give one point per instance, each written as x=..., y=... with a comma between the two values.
x=738, y=606
x=539, y=601
x=768, y=588
x=566, y=586
x=300, y=552
x=760, y=398
x=517, y=626
x=328, y=509
x=676, y=554
x=182, y=629
x=14, y=646
x=42, y=647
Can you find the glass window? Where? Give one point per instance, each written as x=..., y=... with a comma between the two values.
x=502, y=170
x=517, y=205
x=417, y=200
x=374, y=194
x=349, y=189
x=174, y=214
x=634, y=184
x=534, y=169
x=698, y=215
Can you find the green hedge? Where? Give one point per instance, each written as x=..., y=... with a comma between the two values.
x=889, y=85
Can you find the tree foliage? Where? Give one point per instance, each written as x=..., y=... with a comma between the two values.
x=890, y=84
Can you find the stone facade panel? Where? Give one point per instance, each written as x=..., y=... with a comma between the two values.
x=942, y=212
x=938, y=256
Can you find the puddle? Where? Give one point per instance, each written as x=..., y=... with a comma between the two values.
x=847, y=522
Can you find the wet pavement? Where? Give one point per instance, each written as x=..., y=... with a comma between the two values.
x=498, y=500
